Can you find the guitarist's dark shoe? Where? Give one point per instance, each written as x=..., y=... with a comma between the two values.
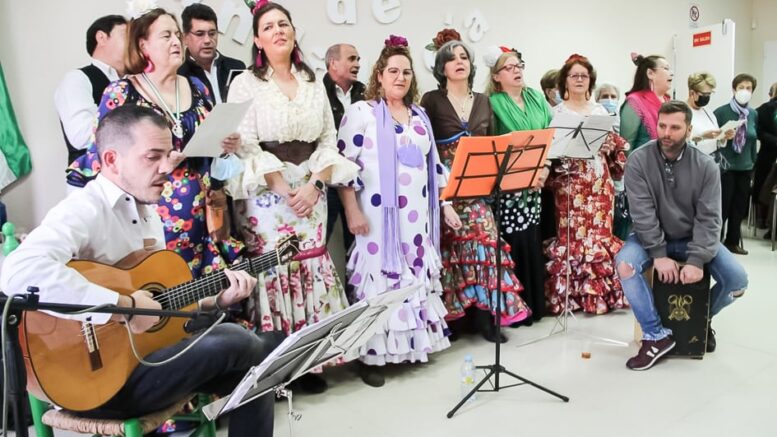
x=310, y=383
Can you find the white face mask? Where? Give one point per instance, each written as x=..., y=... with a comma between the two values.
x=743, y=97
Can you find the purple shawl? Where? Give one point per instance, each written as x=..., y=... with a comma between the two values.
x=387, y=155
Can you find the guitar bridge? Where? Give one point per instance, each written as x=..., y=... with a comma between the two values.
x=92, y=346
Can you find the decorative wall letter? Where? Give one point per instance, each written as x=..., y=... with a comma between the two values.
x=245, y=20
x=477, y=25
x=348, y=14
x=386, y=11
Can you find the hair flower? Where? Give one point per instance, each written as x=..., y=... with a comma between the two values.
x=395, y=41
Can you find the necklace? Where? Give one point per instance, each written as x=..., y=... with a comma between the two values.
x=174, y=116
x=461, y=105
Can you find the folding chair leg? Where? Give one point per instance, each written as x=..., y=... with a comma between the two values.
x=132, y=428
x=38, y=408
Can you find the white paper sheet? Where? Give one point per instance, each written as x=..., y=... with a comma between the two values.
x=579, y=136
x=222, y=121
x=731, y=124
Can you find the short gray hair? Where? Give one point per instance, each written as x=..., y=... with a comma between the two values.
x=333, y=53
x=445, y=55
x=115, y=130
x=606, y=86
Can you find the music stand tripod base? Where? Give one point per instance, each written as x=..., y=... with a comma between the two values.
x=519, y=156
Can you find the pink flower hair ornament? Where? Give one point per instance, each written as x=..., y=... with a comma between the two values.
x=395, y=41
x=255, y=5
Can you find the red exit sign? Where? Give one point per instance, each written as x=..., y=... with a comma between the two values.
x=702, y=39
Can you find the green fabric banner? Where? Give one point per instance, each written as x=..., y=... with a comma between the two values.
x=15, y=152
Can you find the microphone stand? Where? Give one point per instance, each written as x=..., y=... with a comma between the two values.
x=17, y=374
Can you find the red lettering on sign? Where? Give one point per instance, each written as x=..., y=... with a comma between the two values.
x=702, y=39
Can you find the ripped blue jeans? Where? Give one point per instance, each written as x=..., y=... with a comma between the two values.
x=729, y=275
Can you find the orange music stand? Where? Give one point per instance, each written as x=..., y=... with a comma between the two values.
x=476, y=167
x=490, y=167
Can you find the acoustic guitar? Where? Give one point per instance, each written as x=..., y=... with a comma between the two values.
x=80, y=366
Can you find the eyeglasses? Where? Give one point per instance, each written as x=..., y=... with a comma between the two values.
x=579, y=76
x=203, y=33
x=512, y=68
x=668, y=69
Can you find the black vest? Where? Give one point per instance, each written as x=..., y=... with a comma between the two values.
x=99, y=82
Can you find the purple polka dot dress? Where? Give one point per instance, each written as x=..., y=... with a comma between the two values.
x=418, y=327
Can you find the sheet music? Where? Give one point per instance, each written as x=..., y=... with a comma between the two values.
x=731, y=124
x=222, y=121
x=579, y=136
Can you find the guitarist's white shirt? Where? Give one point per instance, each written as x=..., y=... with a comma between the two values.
x=97, y=223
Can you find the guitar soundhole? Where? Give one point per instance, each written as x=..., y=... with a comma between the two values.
x=156, y=290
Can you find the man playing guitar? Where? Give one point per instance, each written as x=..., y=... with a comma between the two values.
x=109, y=219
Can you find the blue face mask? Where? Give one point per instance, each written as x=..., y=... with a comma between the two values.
x=226, y=167
x=557, y=98
x=611, y=105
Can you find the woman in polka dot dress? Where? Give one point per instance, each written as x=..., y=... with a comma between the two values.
x=393, y=209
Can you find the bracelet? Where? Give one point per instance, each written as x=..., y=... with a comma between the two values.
x=445, y=203
x=129, y=317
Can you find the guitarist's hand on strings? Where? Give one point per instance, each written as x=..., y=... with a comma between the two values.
x=139, y=299
x=241, y=284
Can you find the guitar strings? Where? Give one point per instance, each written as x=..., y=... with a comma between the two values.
x=262, y=262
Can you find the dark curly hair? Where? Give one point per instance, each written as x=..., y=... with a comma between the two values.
x=261, y=72
x=563, y=72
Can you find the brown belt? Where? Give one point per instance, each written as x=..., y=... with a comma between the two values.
x=295, y=152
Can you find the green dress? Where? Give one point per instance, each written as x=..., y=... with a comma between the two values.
x=520, y=212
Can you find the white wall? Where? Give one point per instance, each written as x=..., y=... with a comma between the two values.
x=41, y=39
x=764, y=19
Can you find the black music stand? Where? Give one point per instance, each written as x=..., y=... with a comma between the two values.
x=513, y=163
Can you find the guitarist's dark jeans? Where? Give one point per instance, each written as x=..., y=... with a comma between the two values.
x=215, y=365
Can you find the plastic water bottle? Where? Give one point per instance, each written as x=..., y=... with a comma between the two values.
x=468, y=377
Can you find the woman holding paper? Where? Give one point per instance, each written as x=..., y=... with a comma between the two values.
x=517, y=107
x=469, y=272
x=584, y=247
x=154, y=54
x=738, y=159
x=394, y=210
x=288, y=150
x=706, y=132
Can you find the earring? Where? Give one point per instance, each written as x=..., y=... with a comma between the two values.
x=652, y=87
x=259, y=61
x=566, y=94
x=588, y=95
x=296, y=54
x=149, y=65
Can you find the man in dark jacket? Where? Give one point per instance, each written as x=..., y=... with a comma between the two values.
x=342, y=88
x=675, y=204
x=203, y=60
x=767, y=154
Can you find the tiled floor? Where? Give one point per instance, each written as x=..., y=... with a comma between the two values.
x=732, y=392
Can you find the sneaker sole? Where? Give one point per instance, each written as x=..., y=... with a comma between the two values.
x=656, y=358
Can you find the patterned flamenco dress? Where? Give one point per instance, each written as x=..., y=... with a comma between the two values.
x=469, y=274
x=586, y=187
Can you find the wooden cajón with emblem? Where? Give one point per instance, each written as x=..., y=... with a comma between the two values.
x=685, y=309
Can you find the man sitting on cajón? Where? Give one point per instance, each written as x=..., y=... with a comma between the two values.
x=105, y=222
x=674, y=200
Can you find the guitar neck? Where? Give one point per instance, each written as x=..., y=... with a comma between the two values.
x=185, y=294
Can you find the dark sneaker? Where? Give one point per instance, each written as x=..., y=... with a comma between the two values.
x=371, y=375
x=711, y=344
x=650, y=352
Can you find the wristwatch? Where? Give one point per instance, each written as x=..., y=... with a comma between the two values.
x=320, y=186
